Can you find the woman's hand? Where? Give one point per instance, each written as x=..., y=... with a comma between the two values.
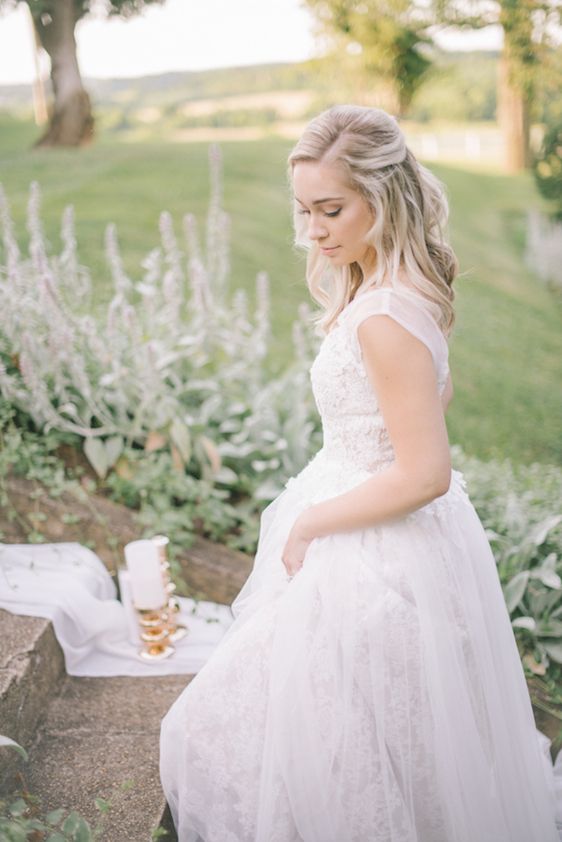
x=296, y=546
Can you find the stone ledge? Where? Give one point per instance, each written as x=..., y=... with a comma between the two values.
x=31, y=671
x=98, y=734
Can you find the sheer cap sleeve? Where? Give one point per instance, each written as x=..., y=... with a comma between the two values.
x=410, y=310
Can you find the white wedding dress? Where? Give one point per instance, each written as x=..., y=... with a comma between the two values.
x=379, y=695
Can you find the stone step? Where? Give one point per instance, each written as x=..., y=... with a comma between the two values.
x=99, y=735
x=31, y=673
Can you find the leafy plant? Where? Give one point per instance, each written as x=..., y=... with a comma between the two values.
x=517, y=506
x=176, y=364
x=22, y=819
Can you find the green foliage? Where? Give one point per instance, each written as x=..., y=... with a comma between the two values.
x=21, y=817
x=520, y=507
x=7, y=741
x=547, y=167
x=387, y=37
x=460, y=86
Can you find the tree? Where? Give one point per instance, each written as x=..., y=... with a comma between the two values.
x=389, y=35
x=529, y=28
x=71, y=122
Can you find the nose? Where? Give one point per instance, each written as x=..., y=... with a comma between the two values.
x=316, y=229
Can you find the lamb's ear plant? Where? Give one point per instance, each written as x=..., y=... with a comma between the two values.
x=521, y=509
x=176, y=363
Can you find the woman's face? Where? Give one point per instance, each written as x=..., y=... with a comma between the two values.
x=338, y=217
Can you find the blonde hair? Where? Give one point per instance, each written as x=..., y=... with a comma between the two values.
x=409, y=205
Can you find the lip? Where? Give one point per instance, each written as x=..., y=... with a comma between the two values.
x=328, y=250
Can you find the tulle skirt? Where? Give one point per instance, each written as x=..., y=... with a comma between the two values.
x=376, y=697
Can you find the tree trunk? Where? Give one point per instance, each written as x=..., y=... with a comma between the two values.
x=70, y=120
x=513, y=118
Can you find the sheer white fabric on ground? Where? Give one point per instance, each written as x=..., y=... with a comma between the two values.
x=378, y=695
x=69, y=585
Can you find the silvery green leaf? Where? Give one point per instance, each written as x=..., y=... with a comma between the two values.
x=227, y=476
x=237, y=408
x=181, y=437
x=268, y=490
x=491, y=535
x=107, y=379
x=549, y=628
x=6, y=741
x=524, y=623
x=539, y=533
x=259, y=465
x=236, y=451
x=554, y=651
x=54, y=816
x=168, y=359
x=113, y=450
x=229, y=425
x=68, y=409
x=97, y=456
x=547, y=577
x=514, y=590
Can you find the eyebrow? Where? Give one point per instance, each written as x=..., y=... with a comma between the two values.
x=321, y=201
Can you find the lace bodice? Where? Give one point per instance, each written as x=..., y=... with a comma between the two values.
x=353, y=426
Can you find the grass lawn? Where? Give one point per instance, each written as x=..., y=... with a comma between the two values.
x=506, y=351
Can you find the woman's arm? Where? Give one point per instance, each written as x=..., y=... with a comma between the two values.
x=447, y=393
x=401, y=370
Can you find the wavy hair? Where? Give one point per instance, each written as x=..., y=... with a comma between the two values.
x=409, y=204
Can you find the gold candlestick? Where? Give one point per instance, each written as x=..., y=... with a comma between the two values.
x=155, y=633
x=177, y=631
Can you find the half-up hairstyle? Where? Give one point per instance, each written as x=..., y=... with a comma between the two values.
x=409, y=204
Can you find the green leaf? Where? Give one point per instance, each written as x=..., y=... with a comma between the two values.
x=524, y=623
x=554, y=651
x=550, y=628
x=97, y=456
x=113, y=450
x=83, y=832
x=181, y=437
x=102, y=805
x=55, y=816
x=56, y=837
x=18, y=807
x=6, y=741
x=514, y=590
x=539, y=533
x=71, y=823
x=227, y=476
x=17, y=834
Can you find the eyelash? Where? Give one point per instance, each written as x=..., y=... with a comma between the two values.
x=334, y=213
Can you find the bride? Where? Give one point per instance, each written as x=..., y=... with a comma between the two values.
x=370, y=688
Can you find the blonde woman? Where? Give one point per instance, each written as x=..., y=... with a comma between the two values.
x=370, y=687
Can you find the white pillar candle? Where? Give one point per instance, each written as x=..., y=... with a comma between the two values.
x=127, y=599
x=147, y=585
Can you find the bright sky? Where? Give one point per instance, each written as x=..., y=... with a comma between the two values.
x=187, y=35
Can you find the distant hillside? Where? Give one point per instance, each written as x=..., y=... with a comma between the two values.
x=460, y=86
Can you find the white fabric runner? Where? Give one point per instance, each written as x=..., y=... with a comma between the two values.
x=69, y=585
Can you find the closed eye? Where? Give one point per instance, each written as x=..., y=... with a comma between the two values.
x=333, y=213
